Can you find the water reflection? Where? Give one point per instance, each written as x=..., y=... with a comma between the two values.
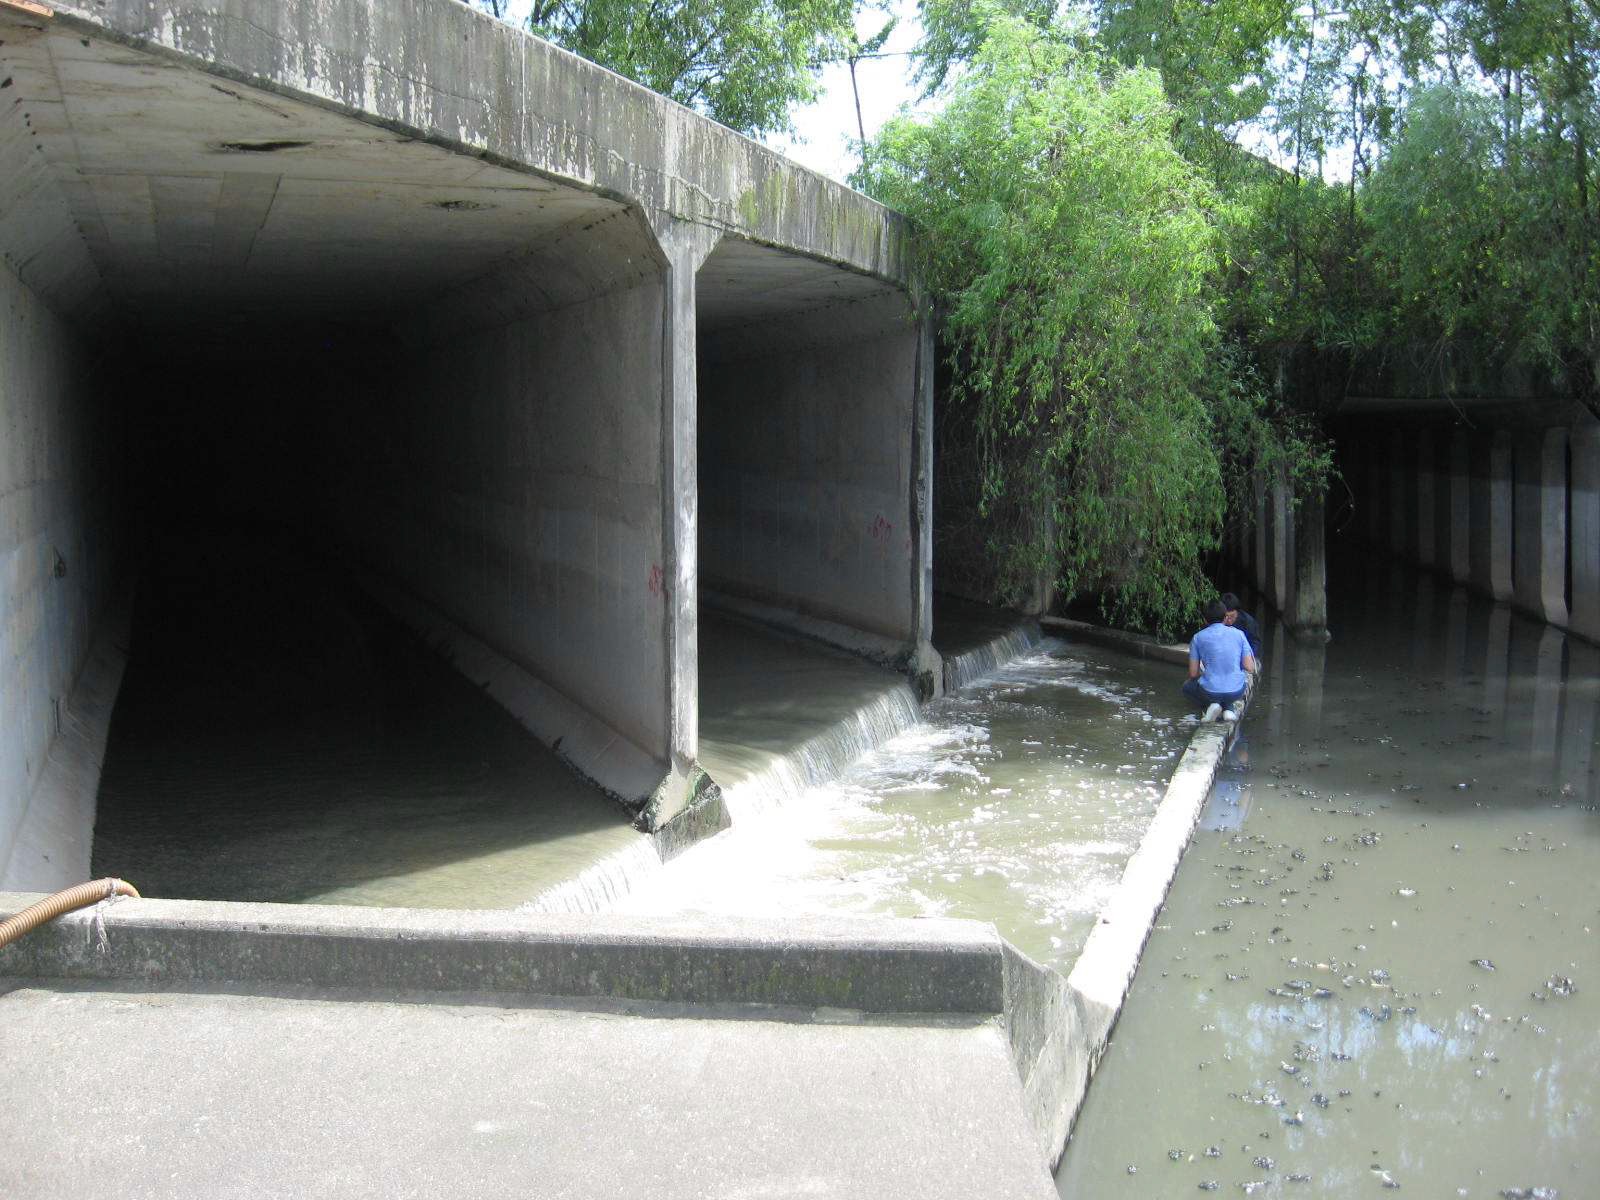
x=1421, y=801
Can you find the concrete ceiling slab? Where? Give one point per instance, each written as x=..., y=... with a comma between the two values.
x=742, y=284
x=183, y=199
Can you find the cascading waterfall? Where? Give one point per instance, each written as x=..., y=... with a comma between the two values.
x=785, y=777
x=598, y=887
x=972, y=665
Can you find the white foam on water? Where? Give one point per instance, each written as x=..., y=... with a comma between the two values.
x=598, y=887
x=785, y=778
x=1018, y=799
x=960, y=670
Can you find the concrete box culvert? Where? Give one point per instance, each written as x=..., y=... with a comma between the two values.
x=420, y=322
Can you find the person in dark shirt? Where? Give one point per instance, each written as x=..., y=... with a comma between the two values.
x=1245, y=623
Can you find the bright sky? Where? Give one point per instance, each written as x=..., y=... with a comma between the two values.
x=825, y=131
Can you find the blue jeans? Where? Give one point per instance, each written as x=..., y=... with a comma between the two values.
x=1202, y=699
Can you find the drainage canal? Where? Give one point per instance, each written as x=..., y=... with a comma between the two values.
x=1016, y=799
x=1376, y=968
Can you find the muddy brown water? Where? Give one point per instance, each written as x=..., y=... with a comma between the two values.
x=1377, y=968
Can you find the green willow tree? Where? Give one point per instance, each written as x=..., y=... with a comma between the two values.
x=1466, y=218
x=1072, y=251
x=745, y=63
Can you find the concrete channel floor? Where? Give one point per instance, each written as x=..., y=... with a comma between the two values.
x=280, y=737
x=208, y=1094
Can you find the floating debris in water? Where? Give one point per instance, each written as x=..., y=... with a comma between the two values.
x=1298, y=1177
x=1254, y=1186
x=1213, y=1151
x=1132, y=1170
x=1560, y=985
x=1175, y=1155
x=1382, y=1013
x=1209, y=1185
x=1319, y=1100
x=1386, y=1179
x=1299, y=1118
x=1484, y=963
x=1530, y=1193
x=1262, y=1161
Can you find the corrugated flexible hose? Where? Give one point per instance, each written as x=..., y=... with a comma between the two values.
x=51, y=907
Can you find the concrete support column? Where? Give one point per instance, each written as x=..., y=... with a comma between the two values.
x=686, y=246
x=1497, y=667
x=1375, y=490
x=1453, y=508
x=1281, y=520
x=1583, y=533
x=1425, y=531
x=1259, y=561
x=926, y=669
x=1308, y=611
x=1402, y=530
x=1490, y=545
x=1545, y=727
x=1580, y=721
x=1454, y=663
x=1539, y=562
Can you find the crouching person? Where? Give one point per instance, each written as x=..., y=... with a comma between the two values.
x=1220, y=666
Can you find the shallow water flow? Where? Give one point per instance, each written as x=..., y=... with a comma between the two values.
x=1377, y=967
x=1016, y=800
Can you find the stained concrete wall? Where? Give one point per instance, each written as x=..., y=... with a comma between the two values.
x=430, y=285
x=58, y=527
x=806, y=464
x=513, y=479
x=1504, y=506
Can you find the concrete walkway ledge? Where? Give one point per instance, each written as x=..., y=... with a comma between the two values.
x=830, y=969
x=1101, y=978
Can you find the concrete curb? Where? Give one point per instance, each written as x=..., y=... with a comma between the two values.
x=1099, y=981
x=868, y=966
x=1118, y=639
x=591, y=747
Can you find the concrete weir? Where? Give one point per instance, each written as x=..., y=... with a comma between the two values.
x=524, y=348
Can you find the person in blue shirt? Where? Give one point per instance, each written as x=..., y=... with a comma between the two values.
x=1220, y=666
x=1242, y=620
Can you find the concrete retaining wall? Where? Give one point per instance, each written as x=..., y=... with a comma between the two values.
x=806, y=460
x=513, y=479
x=59, y=529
